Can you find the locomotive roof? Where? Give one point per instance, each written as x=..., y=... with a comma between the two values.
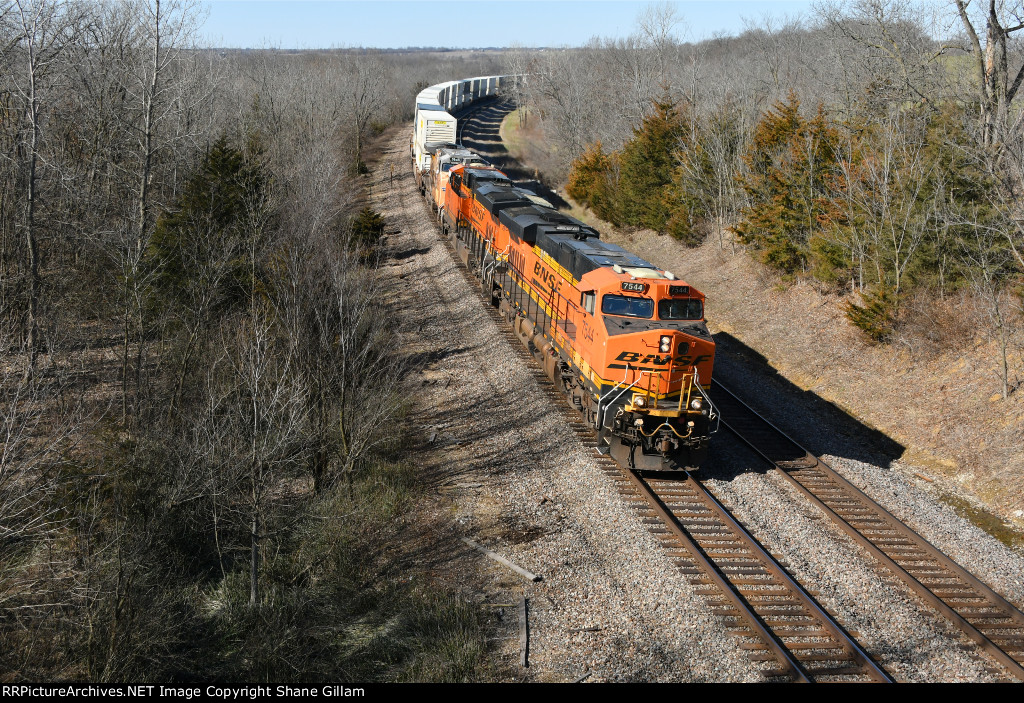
x=580, y=257
x=499, y=195
x=474, y=174
x=573, y=244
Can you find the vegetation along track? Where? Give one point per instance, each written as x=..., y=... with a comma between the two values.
x=974, y=608
x=775, y=621
x=982, y=614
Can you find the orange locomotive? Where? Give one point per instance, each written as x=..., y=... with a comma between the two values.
x=443, y=159
x=625, y=340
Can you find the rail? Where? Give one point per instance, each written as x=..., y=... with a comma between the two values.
x=971, y=605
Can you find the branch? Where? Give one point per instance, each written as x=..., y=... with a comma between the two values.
x=961, y=7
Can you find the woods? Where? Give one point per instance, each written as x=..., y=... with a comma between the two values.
x=202, y=404
x=202, y=462
x=870, y=148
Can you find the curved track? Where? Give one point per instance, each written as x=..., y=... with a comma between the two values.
x=775, y=621
x=981, y=613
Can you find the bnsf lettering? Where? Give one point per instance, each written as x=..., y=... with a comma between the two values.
x=548, y=278
x=655, y=360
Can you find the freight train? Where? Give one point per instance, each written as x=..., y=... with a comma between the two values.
x=626, y=341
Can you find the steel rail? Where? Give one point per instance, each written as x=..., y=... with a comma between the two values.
x=796, y=463
x=790, y=666
x=764, y=635
x=860, y=656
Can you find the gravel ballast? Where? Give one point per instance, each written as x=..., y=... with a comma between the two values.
x=514, y=477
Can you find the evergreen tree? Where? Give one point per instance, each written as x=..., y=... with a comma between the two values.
x=591, y=182
x=202, y=243
x=647, y=166
x=791, y=171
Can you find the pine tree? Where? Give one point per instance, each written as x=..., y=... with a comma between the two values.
x=791, y=170
x=647, y=166
x=591, y=182
x=200, y=243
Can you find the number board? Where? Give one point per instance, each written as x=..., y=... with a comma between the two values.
x=634, y=286
x=679, y=290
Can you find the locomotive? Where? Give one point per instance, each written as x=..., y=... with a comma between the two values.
x=626, y=341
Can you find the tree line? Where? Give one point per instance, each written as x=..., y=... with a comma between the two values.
x=200, y=398
x=874, y=148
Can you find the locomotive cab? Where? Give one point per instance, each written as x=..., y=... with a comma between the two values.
x=653, y=406
x=444, y=160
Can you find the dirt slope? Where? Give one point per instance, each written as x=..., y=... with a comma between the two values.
x=938, y=414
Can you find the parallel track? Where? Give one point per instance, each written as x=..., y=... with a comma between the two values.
x=974, y=608
x=776, y=622
x=773, y=618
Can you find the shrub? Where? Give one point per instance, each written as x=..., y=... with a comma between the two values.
x=367, y=228
x=590, y=182
x=876, y=318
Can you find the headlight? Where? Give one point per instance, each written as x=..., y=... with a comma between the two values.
x=666, y=344
x=696, y=403
x=639, y=401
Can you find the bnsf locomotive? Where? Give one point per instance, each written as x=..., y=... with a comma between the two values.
x=625, y=340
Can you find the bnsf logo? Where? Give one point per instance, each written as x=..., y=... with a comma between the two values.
x=548, y=279
x=655, y=360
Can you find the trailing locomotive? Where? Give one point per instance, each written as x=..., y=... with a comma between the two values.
x=625, y=340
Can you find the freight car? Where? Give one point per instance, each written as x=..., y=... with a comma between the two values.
x=433, y=124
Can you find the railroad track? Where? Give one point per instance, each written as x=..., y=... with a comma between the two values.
x=974, y=608
x=775, y=621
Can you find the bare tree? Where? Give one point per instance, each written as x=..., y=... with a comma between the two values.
x=521, y=65
x=365, y=74
x=886, y=192
x=901, y=58
x=657, y=23
x=156, y=97
x=985, y=259
x=995, y=89
x=566, y=85
x=45, y=30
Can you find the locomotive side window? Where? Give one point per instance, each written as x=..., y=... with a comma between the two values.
x=587, y=300
x=627, y=306
x=680, y=309
x=456, y=181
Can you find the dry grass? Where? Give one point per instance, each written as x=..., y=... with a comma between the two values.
x=935, y=391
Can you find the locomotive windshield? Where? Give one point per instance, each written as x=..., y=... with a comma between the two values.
x=627, y=306
x=680, y=309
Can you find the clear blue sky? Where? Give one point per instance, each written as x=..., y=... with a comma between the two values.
x=313, y=24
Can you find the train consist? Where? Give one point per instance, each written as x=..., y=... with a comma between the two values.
x=626, y=341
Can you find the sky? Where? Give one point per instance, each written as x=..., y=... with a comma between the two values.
x=321, y=24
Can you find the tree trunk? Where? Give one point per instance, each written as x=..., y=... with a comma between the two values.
x=254, y=556
x=31, y=242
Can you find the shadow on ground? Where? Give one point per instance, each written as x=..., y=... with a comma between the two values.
x=814, y=422
x=481, y=135
x=817, y=424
